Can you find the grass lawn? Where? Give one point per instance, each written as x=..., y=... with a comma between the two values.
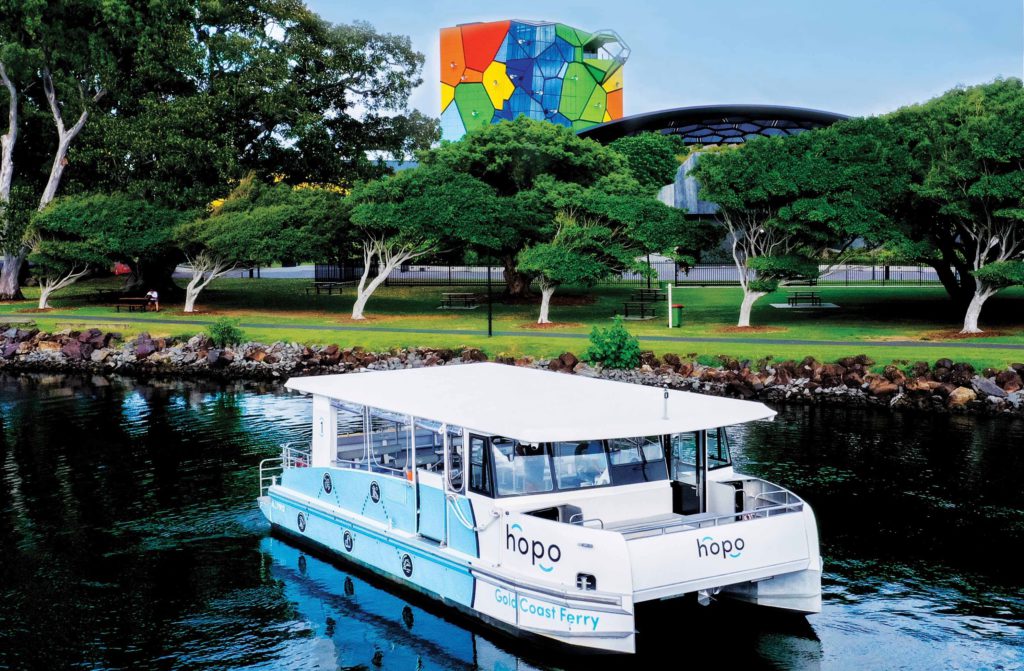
x=866, y=314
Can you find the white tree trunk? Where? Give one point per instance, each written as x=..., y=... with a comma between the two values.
x=364, y=291
x=749, y=298
x=545, y=302
x=205, y=269
x=389, y=255
x=981, y=294
x=65, y=136
x=9, y=138
x=9, y=287
x=50, y=285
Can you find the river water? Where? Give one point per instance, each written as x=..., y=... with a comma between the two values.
x=130, y=538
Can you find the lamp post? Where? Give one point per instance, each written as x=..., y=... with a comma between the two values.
x=490, y=311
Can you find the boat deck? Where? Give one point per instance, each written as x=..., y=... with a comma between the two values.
x=667, y=523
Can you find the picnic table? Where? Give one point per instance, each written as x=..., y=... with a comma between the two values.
x=638, y=310
x=796, y=298
x=132, y=304
x=329, y=287
x=459, y=301
x=648, y=295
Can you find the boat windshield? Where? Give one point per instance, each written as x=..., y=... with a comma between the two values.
x=521, y=468
x=581, y=464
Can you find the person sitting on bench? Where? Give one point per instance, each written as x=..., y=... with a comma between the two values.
x=154, y=299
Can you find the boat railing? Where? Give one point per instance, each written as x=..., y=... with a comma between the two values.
x=296, y=456
x=270, y=473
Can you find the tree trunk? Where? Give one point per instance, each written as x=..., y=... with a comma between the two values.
x=959, y=290
x=8, y=140
x=44, y=296
x=517, y=284
x=981, y=294
x=366, y=290
x=749, y=298
x=10, y=287
x=191, y=294
x=545, y=301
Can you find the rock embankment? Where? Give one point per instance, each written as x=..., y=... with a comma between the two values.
x=945, y=386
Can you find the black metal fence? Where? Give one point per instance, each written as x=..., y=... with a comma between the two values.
x=663, y=271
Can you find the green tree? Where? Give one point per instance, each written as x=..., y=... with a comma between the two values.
x=653, y=158
x=418, y=212
x=94, y=231
x=520, y=160
x=580, y=253
x=964, y=187
x=259, y=224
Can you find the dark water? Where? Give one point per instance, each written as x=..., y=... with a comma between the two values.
x=129, y=538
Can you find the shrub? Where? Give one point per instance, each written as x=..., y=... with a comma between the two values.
x=709, y=360
x=225, y=332
x=613, y=347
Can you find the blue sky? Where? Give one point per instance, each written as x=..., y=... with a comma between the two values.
x=855, y=57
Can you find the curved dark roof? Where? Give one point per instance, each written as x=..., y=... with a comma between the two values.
x=716, y=124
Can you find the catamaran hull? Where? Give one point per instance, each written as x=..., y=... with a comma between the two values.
x=513, y=608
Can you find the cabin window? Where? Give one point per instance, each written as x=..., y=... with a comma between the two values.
x=718, y=448
x=479, y=473
x=351, y=435
x=520, y=468
x=390, y=438
x=640, y=459
x=580, y=464
x=683, y=465
x=428, y=445
x=455, y=460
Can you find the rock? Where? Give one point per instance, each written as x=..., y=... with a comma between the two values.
x=893, y=374
x=256, y=354
x=880, y=386
x=831, y=375
x=960, y=397
x=961, y=374
x=919, y=369
x=1009, y=380
x=945, y=389
x=10, y=350
x=568, y=360
x=1016, y=399
x=673, y=361
x=48, y=346
x=72, y=349
x=473, y=354
x=144, y=347
x=853, y=379
x=556, y=365
x=648, y=358
x=91, y=334
x=944, y=363
x=1019, y=367
x=213, y=356
x=987, y=387
x=10, y=334
x=941, y=374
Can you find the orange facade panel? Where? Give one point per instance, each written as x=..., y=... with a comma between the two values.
x=453, y=62
x=482, y=41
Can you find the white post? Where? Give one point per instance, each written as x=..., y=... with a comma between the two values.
x=325, y=432
x=669, y=287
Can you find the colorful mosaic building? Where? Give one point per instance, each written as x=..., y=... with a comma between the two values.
x=546, y=71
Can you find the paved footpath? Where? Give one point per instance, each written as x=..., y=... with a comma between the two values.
x=948, y=344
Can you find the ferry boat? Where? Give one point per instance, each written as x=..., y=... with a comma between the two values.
x=551, y=506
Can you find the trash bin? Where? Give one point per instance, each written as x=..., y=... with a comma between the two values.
x=677, y=318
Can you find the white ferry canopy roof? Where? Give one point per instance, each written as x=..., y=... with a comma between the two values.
x=531, y=405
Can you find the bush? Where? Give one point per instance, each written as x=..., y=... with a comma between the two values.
x=225, y=332
x=613, y=347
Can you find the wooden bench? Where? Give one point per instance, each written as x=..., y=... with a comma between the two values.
x=797, y=298
x=459, y=301
x=648, y=295
x=329, y=287
x=132, y=304
x=638, y=310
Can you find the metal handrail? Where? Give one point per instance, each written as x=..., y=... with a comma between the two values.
x=296, y=457
x=269, y=478
x=581, y=521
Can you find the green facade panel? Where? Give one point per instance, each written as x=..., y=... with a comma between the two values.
x=474, y=105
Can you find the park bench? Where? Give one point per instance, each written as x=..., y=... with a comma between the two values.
x=638, y=310
x=329, y=287
x=459, y=301
x=648, y=295
x=132, y=304
x=797, y=298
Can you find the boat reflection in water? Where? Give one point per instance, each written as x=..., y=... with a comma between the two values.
x=355, y=618
x=353, y=622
